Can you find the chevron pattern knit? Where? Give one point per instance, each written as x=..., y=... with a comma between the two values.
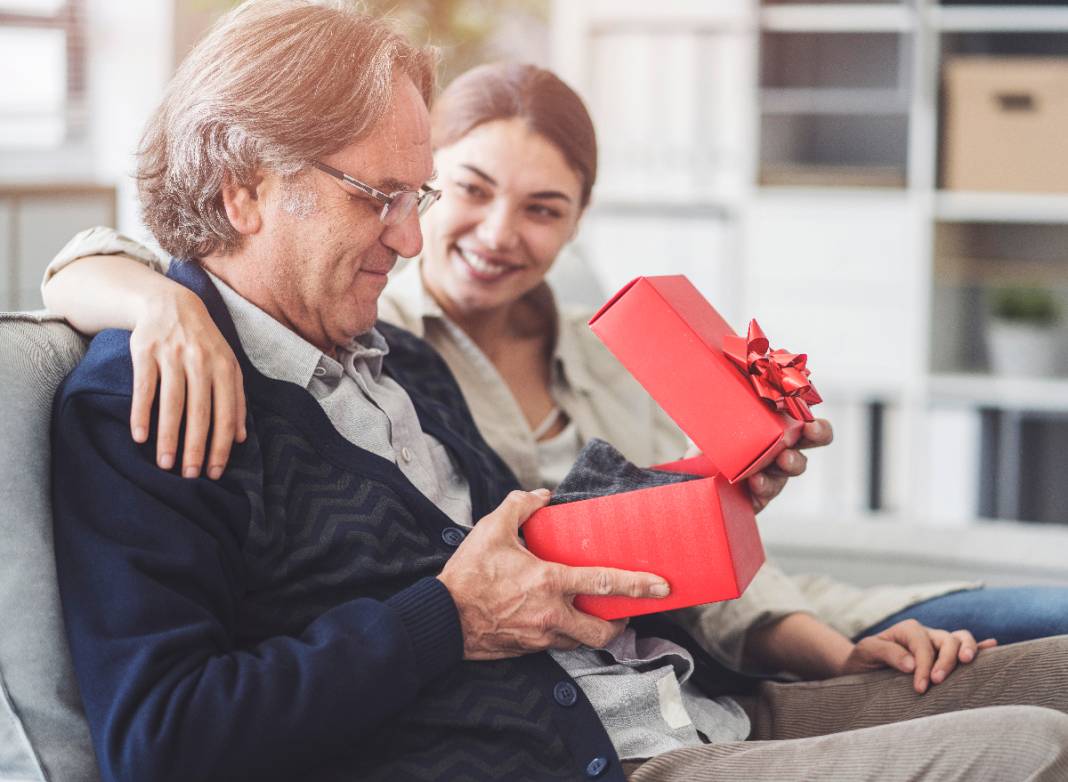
x=331, y=523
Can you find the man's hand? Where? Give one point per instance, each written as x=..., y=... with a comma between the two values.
x=513, y=603
x=766, y=484
x=929, y=655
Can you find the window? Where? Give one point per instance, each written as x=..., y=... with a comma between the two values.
x=42, y=57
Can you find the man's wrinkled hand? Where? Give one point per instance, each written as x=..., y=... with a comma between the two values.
x=930, y=655
x=766, y=484
x=512, y=603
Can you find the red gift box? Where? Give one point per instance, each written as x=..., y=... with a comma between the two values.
x=701, y=535
x=679, y=348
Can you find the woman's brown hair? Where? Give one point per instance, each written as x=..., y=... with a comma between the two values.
x=539, y=97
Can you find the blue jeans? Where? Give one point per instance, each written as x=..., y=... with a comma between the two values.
x=1008, y=614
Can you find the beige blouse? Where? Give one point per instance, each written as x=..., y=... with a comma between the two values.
x=604, y=401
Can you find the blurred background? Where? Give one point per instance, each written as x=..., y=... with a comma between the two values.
x=882, y=183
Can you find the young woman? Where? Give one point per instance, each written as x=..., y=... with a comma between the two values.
x=516, y=155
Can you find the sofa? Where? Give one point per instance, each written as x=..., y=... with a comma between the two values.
x=43, y=734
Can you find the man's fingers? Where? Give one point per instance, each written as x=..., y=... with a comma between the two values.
x=589, y=630
x=815, y=434
x=519, y=506
x=988, y=643
x=146, y=377
x=171, y=403
x=605, y=581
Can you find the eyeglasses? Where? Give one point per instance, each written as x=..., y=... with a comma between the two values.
x=396, y=206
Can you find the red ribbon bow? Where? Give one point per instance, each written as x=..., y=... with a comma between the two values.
x=779, y=377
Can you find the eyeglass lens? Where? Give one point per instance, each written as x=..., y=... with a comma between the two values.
x=397, y=210
x=401, y=206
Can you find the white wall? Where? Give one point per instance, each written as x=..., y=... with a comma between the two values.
x=130, y=57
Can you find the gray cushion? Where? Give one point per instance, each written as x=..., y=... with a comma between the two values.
x=36, y=353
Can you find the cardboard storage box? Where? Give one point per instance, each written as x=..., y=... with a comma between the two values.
x=1005, y=124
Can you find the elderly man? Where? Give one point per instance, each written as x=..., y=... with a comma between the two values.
x=327, y=609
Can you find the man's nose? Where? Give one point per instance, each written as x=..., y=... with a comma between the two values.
x=497, y=229
x=404, y=238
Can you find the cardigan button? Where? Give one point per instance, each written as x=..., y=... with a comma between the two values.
x=596, y=767
x=452, y=536
x=565, y=693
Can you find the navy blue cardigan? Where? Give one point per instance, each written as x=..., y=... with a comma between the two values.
x=284, y=622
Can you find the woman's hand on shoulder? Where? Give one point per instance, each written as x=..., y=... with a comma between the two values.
x=177, y=348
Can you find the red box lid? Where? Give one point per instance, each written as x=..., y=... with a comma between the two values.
x=670, y=339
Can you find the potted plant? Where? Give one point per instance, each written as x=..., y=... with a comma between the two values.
x=1023, y=337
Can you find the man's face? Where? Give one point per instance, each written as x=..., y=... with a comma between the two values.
x=324, y=259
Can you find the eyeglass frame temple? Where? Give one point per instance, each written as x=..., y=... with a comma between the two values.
x=385, y=198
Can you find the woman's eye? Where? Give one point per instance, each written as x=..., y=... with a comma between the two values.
x=471, y=190
x=544, y=212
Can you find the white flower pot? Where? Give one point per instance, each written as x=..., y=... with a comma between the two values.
x=1023, y=349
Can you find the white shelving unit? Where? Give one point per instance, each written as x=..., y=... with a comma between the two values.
x=971, y=207
x=834, y=227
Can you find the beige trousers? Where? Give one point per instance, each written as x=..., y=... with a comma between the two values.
x=1002, y=718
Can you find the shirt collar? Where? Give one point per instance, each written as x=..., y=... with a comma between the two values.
x=569, y=359
x=280, y=353
x=417, y=306
x=410, y=297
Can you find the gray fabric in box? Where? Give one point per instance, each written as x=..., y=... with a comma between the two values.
x=36, y=353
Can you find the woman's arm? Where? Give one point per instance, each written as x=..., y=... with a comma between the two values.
x=106, y=292
x=175, y=345
x=802, y=644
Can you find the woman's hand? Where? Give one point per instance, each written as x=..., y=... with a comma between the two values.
x=176, y=345
x=766, y=484
x=929, y=655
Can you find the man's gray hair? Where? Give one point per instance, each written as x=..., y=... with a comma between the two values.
x=274, y=85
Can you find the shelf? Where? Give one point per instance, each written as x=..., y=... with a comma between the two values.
x=1040, y=395
x=837, y=18
x=997, y=19
x=829, y=100
x=831, y=176
x=969, y=207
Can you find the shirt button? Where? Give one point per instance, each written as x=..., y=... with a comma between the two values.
x=319, y=371
x=406, y=453
x=565, y=693
x=452, y=536
x=596, y=767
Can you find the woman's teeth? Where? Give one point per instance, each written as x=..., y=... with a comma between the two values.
x=482, y=266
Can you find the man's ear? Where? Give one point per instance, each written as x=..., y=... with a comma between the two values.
x=243, y=205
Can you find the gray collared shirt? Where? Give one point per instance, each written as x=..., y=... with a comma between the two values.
x=366, y=406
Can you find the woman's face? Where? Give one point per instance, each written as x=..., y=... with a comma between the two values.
x=510, y=203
